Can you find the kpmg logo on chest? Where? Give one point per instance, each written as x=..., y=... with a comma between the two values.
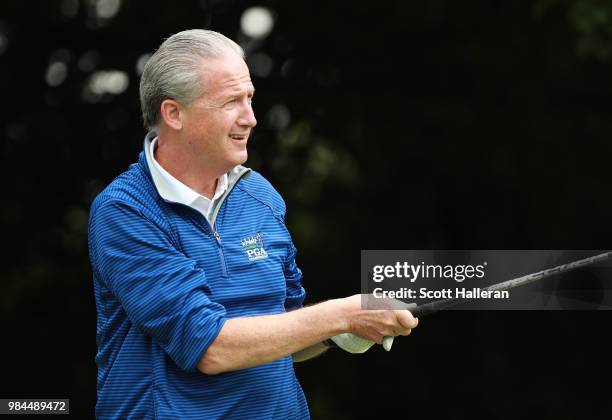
x=254, y=247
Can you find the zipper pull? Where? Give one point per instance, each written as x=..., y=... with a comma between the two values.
x=217, y=236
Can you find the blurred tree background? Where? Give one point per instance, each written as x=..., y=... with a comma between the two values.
x=385, y=125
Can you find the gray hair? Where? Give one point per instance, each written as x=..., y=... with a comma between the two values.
x=174, y=71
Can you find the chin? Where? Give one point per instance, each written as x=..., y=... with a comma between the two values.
x=240, y=158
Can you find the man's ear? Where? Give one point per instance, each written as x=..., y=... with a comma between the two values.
x=171, y=114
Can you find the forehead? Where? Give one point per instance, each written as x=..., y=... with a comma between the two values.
x=226, y=75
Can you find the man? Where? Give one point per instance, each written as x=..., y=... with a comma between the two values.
x=198, y=295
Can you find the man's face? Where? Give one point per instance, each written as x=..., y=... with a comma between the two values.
x=217, y=124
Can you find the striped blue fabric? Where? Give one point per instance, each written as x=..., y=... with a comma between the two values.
x=164, y=286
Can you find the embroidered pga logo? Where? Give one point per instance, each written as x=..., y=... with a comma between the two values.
x=254, y=247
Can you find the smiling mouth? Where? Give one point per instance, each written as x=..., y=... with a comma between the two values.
x=239, y=137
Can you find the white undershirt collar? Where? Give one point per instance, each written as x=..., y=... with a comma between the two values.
x=171, y=189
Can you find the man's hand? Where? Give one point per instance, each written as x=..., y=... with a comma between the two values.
x=372, y=326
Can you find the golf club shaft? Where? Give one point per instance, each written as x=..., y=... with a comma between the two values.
x=432, y=307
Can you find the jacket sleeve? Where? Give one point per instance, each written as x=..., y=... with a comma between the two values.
x=162, y=292
x=293, y=276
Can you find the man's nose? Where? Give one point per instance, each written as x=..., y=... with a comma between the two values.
x=247, y=117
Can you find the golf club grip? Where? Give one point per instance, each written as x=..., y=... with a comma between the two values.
x=433, y=307
x=422, y=310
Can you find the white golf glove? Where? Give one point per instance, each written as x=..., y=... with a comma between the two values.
x=351, y=343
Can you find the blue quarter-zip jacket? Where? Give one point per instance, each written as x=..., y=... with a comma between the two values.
x=165, y=282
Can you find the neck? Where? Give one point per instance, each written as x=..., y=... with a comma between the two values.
x=200, y=178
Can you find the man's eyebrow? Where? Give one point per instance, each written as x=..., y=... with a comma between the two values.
x=238, y=92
